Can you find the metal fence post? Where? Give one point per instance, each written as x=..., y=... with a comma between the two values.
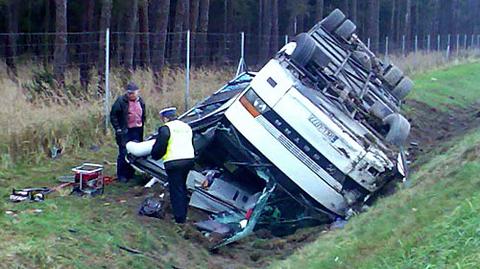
x=286, y=39
x=465, y=41
x=438, y=42
x=472, y=43
x=403, y=45
x=242, y=66
x=386, y=46
x=416, y=43
x=448, y=40
x=428, y=43
x=295, y=25
x=187, y=78
x=107, y=76
x=368, y=42
x=242, y=53
x=448, y=52
x=458, y=43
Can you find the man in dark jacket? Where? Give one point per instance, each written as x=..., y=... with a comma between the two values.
x=174, y=145
x=128, y=120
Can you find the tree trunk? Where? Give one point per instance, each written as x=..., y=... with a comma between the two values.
x=291, y=24
x=179, y=26
x=435, y=26
x=319, y=10
x=446, y=17
x=399, y=19
x=119, y=48
x=153, y=6
x=85, y=48
x=225, y=31
x=344, y=7
x=46, y=23
x=130, y=35
x=275, y=30
x=260, y=42
x=416, y=30
x=202, y=46
x=373, y=27
x=392, y=20
x=194, y=14
x=233, y=23
x=475, y=10
x=353, y=10
x=162, y=15
x=105, y=17
x=267, y=29
x=408, y=24
x=300, y=23
x=455, y=16
x=29, y=27
x=144, y=34
x=12, y=25
x=60, y=53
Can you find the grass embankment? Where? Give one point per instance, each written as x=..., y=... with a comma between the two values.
x=435, y=222
x=442, y=88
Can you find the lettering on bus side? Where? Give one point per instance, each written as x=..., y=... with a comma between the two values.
x=322, y=128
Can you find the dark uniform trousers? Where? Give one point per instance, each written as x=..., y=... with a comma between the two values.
x=124, y=170
x=177, y=172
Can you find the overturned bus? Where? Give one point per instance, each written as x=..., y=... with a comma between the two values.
x=306, y=140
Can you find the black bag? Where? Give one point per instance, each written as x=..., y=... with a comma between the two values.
x=152, y=207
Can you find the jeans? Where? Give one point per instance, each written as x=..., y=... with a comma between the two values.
x=124, y=170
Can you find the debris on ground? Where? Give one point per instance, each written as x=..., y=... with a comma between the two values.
x=152, y=207
x=338, y=224
x=29, y=194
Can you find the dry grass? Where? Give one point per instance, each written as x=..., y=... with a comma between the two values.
x=415, y=63
x=31, y=129
x=36, y=127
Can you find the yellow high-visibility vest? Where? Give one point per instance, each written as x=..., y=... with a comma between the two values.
x=180, y=144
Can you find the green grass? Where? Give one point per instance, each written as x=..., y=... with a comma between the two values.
x=433, y=223
x=85, y=232
x=446, y=87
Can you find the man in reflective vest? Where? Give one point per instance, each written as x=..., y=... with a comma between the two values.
x=174, y=145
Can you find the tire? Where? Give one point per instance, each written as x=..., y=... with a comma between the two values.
x=333, y=20
x=346, y=30
x=399, y=129
x=305, y=50
x=392, y=76
x=380, y=110
x=320, y=58
x=403, y=88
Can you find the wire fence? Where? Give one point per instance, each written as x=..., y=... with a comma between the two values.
x=86, y=51
x=150, y=50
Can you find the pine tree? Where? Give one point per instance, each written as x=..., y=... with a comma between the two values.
x=60, y=53
x=373, y=24
x=131, y=21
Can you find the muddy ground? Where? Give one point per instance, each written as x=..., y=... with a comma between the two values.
x=431, y=127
